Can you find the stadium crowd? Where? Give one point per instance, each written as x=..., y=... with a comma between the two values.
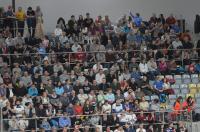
x=91, y=72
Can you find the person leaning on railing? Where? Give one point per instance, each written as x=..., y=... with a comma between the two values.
x=177, y=108
x=20, y=16
x=189, y=106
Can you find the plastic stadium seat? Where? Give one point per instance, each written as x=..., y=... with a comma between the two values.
x=172, y=97
x=182, y=95
x=193, y=90
x=192, y=85
x=151, y=83
x=195, y=78
x=176, y=90
x=197, y=95
x=178, y=81
x=192, y=95
x=183, y=86
x=198, y=85
x=197, y=106
x=176, y=77
x=154, y=97
x=147, y=98
x=198, y=101
x=184, y=91
x=186, y=78
x=175, y=86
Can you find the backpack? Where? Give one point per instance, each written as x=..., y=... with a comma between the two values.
x=162, y=98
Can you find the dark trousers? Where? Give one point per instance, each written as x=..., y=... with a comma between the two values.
x=31, y=22
x=9, y=22
x=20, y=25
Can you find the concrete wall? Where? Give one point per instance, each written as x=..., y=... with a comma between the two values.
x=52, y=9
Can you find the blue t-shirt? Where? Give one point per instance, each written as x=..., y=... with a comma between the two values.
x=158, y=85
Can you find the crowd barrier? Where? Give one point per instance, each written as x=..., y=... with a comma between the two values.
x=165, y=117
x=125, y=55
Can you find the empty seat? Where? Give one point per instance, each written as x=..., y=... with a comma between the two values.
x=192, y=95
x=197, y=108
x=154, y=97
x=182, y=95
x=198, y=101
x=176, y=77
x=195, y=78
x=198, y=86
x=178, y=81
x=151, y=83
x=192, y=85
x=197, y=95
x=176, y=90
x=147, y=98
x=172, y=97
x=186, y=78
x=175, y=86
x=193, y=90
x=183, y=86
x=184, y=91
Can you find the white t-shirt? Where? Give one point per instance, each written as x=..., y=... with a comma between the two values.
x=106, y=108
x=139, y=130
x=118, y=108
x=143, y=68
x=58, y=32
x=19, y=110
x=99, y=78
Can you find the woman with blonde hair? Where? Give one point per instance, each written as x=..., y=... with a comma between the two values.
x=39, y=31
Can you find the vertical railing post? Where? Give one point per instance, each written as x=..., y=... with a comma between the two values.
x=36, y=124
x=182, y=57
x=1, y=119
x=191, y=120
x=69, y=59
x=163, y=116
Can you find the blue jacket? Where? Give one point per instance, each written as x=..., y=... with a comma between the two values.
x=59, y=90
x=32, y=91
x=176, y=28
x=136, y=75
x=137, y=20
x=46, y=126
x=63, y=122
x=158, y=85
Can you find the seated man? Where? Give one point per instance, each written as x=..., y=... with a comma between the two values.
x=158, y=85
x=161, y=87
x=153, y=68
x=143, y=67
x=117, y=107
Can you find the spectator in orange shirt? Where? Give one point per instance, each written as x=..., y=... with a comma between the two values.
x=188, y=104
x=177, y=107
x=78, y=109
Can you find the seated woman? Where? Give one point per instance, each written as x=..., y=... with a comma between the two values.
x=162, y=86
x=174, y=68
x=177, y=108
x=192, y=68
x=163, y=68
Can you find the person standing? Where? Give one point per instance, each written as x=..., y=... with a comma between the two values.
x=20, y=16
x=31, y=21
x=9, y=21
x=39, y=31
